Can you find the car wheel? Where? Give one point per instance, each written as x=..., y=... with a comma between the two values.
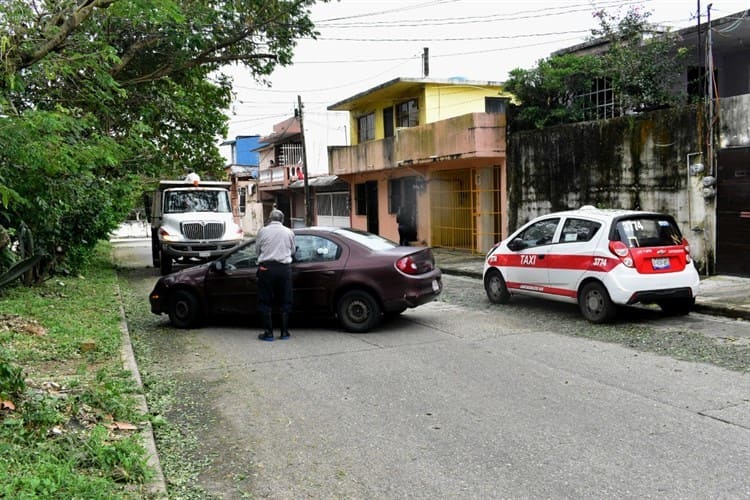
x=677, y=307
x=595, y=304
x=165, y=263
x=358, y=311
x=184, y=309
x=494, y=285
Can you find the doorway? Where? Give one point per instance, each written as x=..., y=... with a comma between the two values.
x=733, y=212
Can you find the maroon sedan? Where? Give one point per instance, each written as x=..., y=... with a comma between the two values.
x=353, y=275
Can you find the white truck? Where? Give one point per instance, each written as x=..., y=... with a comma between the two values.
x=191, y=222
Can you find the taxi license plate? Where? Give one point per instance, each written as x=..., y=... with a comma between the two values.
x=204, y=254
x=660, y=263
x=435, y=286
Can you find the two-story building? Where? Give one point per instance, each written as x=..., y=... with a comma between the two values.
x=282, y=182
x=434, y=148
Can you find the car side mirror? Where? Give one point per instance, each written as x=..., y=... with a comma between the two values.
x=517, y=244
x=217, y=266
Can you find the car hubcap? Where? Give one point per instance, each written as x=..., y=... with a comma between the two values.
x=181, y=309
x=358, y=311
x=594, y=302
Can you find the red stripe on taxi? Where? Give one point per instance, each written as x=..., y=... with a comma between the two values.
x=541, y=289
x=555, y=261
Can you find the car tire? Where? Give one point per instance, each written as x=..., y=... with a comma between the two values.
x=165, y=264
x=595, y=304
x=677, y=307
x=184, y=309
x=358, y=311
x=494, y=286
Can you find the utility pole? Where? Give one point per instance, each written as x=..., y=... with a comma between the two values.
x=426, y=62
x=308, y=205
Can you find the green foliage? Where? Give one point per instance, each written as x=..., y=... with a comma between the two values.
x=11, y=380
x=56, y=444
x=98, y=99
x=640, y=65
x=549, y=93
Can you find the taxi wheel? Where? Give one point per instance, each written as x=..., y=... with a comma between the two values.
x=595, y=304
x=494, y=285
x=358, y=311
x=184, y=309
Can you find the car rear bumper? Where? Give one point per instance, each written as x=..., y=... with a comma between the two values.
x=629, y=287
x=422, y=293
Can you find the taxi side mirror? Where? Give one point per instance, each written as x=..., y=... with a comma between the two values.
x=517, y=244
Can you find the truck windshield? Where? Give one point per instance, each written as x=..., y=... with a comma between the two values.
x=176, y=202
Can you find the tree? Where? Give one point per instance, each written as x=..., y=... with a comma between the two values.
x=640, y=65
x=643, y=63
x=549, y=93
x=100, y=97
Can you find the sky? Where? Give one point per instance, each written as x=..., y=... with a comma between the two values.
x=363, y=43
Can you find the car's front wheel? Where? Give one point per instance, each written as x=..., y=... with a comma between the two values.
x=184, y=309
x=595, y=304
x=358, y=311
x=494, y=285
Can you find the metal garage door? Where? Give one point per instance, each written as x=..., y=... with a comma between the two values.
x=733, y=212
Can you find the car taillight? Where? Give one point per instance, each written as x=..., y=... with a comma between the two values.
x=686, y=246
x=407, y=265
x=621, y=250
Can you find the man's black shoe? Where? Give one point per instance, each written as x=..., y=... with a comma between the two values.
x=284, y=336
x=265, y=336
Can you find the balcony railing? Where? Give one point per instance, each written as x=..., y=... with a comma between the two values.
x=467, y=136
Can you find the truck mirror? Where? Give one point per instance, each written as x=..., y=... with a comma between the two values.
x=148, y=199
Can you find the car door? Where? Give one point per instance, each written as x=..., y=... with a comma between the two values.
x=234, y=288
x=572, y=255
x=317, y=268
x=527, y=261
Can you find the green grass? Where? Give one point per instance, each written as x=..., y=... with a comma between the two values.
x=60, y=367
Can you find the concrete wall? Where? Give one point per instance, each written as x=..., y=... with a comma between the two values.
x=635, y=162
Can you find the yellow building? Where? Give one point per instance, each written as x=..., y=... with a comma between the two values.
x=433, y=148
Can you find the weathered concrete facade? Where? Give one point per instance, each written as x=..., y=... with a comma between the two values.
x=635, y=162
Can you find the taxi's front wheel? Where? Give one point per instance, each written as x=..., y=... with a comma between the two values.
x=494, y=285
x=595, y=304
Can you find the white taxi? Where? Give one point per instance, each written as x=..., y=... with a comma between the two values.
x=597, y=258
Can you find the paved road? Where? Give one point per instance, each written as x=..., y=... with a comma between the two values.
x=448, y=401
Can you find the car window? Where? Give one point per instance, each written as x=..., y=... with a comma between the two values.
x=539, y=233
x=244, y=258
x=578, y=230
x=371, y=241
x=648, y=232
x=310, y=248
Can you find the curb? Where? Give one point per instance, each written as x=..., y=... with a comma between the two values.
x=157, y=487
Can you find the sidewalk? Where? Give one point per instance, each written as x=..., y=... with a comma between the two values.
x=719, y=295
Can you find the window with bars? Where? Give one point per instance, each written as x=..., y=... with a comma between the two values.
x=599, y=104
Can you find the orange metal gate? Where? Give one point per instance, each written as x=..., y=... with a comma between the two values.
x=465, y=208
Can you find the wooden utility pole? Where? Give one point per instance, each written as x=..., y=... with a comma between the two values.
x=308, y=205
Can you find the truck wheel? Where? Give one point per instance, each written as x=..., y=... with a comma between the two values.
x=165, y=263
x=155, y=250
x=184, y=309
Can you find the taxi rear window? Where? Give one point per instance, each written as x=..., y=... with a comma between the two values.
x=647, y=232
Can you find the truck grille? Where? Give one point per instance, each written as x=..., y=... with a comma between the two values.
x=203, y=231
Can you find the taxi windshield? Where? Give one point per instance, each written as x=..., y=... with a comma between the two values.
x=648, y=232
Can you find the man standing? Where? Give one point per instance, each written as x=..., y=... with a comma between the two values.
x=275, y=244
